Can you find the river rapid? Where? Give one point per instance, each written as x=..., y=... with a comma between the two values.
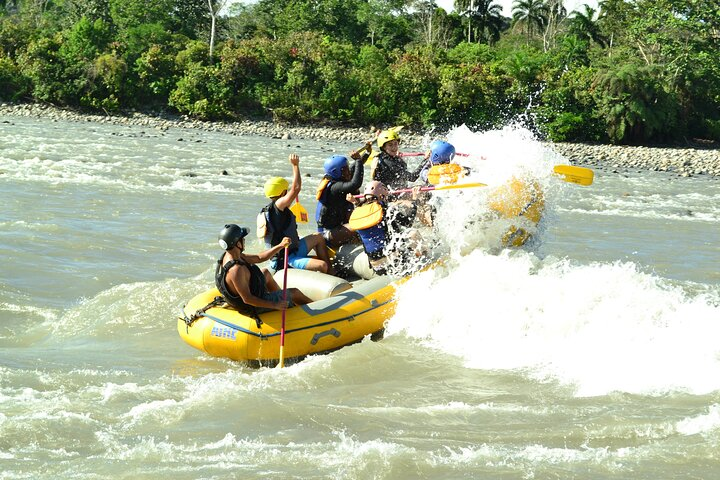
x=593, y=352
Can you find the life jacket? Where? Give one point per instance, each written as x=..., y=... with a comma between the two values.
x=257, y=284
x=273, y=225
x=392, y=171
x=445, y=173
x=369, y=221
x=332, y=210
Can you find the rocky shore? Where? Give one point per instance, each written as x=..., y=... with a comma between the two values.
x=683, y=162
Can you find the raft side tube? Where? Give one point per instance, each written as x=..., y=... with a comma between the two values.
x=318, y=327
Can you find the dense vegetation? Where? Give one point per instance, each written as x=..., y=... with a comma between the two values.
x=634, y=71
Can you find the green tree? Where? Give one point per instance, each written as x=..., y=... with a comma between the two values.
x=634, y=105
x=337, y=19
x=13, y=84
x=584, y=24
x=484, y=18
x=386, y=22
x=531, y=15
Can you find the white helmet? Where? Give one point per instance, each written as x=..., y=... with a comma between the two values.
x=377, y=189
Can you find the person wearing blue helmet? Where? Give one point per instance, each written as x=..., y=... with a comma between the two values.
x=334, y=208
x=440, y=153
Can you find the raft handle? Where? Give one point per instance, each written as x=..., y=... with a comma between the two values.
x=335, y=333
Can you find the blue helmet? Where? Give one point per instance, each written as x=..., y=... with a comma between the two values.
x=334, y=166
x=441, y=152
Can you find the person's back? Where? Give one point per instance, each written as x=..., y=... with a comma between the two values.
x=333, y=208
x=277, y=221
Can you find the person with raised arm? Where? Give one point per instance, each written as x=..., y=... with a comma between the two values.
x=276, y=222
x=334, y=206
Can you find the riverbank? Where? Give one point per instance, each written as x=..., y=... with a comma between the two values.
x=683, y=162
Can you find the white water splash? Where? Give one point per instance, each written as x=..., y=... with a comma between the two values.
x=603, y=327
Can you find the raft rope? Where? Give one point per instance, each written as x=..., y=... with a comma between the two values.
x=218, y=301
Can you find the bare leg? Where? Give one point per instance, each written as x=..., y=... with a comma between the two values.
x=298, y=297
x=315, y=241
x=270, y=283
x=341, y=235
x=317, y=265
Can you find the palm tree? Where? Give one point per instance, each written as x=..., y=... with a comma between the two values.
x=584, y=25
x=486, y=14
x=531, y=14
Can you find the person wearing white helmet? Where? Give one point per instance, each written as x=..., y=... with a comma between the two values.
x=385, y=228
x=276, y=221
x=241, y=282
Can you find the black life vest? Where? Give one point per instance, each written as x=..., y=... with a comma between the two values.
x=257, y=284
x=280, y=224
x=333, y=209
x=392, y=171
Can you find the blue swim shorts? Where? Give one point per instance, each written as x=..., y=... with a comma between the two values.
x=299, y=259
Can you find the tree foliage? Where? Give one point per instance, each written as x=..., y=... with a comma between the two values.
x=630, y=71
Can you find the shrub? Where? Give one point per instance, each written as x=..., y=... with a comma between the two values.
x=13, y=84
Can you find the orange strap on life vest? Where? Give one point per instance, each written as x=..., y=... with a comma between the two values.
x=323, y=183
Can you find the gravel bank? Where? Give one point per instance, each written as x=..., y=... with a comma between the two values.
x=683, y=162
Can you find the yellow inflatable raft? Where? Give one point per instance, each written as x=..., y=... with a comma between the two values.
x=522, y=203
x=341, y=313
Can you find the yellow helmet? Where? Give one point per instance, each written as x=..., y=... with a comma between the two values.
x=275, y=186
x=388, y=135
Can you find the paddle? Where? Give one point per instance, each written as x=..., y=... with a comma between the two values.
x=301, y=215
x=421, y=154
x=438, y=187
x=284, y=309
x=580, y=175
x=433, y=187
x=452, y=172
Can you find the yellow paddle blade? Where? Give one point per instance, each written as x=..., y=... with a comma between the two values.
x=445, y=173
x=462, y=185
x=301, y=215
x=580, y=175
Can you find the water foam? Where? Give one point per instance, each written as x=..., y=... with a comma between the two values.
x=602, y=327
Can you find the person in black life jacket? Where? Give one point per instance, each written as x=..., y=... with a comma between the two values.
x=334, y=208
x=388, y=167
x=381, y=225
x=276, y=221
x=241, y=282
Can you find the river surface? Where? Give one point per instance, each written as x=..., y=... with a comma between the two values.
x=593, y=352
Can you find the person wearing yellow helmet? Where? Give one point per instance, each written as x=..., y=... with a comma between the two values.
x=276, y=222
x=388, y=167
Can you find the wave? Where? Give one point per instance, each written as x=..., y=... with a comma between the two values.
x=600, y=327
